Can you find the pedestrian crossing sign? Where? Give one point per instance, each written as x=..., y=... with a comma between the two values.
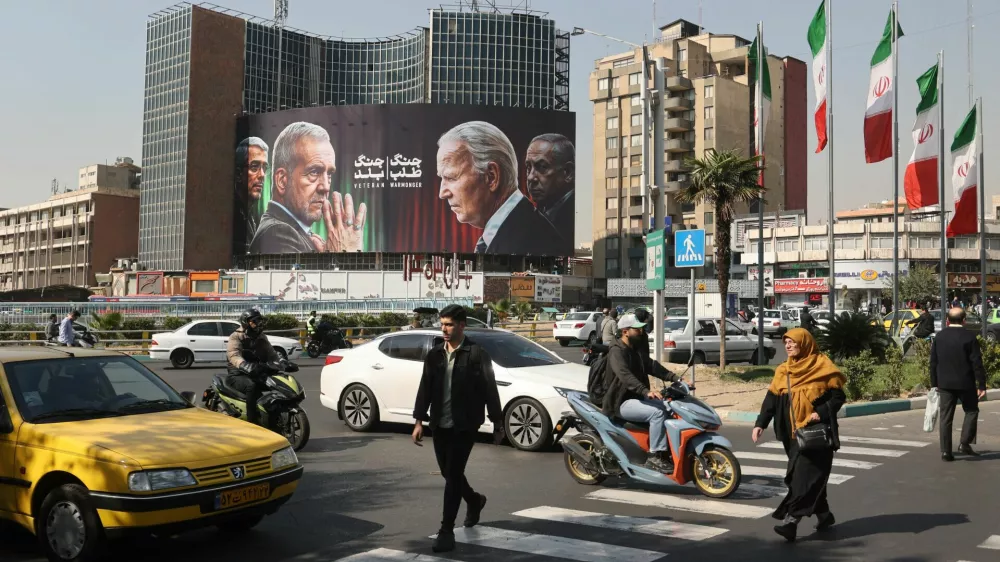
x=689, y=248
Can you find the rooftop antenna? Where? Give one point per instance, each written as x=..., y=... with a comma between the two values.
x=280, y=12
x=55, y=186
x=700, y=29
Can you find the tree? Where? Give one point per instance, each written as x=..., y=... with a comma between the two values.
x=921, y=284
x=502, y=309
x=723, y=179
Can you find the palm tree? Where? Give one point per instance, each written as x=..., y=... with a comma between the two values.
x=723, y=179
x=522, y=309
x=502, y=309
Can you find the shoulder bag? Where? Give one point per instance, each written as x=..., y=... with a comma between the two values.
x=813, y=437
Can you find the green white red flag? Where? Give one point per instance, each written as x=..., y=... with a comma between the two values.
x=817, y=43
x=878, y=115
x=921, y=179
x=761, y=107
x=965, y=178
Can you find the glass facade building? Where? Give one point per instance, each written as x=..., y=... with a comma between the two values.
x=511, y=59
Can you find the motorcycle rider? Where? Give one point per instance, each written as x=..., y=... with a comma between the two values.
x=52, y=331
x=628, y=394
x=311, y=325
x=247, y=351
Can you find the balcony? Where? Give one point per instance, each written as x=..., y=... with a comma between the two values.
x=673, y=166
x=679, y=145
x=678, y=83
x=677, y=104
x=675, y=186
x=635, y=191
x=636, y=253
x=635, y=211
x=678, y=125
x=611, y=213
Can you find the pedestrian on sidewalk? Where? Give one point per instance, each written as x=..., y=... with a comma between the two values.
x=609, y=327
x=458, y=385
x=957, y=373
x=807, y=390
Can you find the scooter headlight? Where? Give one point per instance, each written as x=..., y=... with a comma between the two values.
x=564, y=392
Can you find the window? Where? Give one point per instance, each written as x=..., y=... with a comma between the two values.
x=408, y=347
x=636, y=101
x=732, y=329
x=612, y=103
x=636, y=120
x=611, y=264
x=611, y=183
x=611, y=143
x=707, y=328
x=709, y=218
x=709, y=133
x=612, y=163
x=814, y=243
x=709, y=112
x=611, y=224
x=879, y=242
x=754, y=248
x=845, y=243
x=635, y=140
x=709, y=91
x=710, y=240
x=635, y=79
x=611, y=203
x=203, y=286
x=602, y=84
x=612, y=122
x=204, y=329
x=634, y=181
x=228, y=328
x=635, y=223
x=788, y=245
x=682, y=55
x=611, y=244
x=635, y=160
x=615, y=82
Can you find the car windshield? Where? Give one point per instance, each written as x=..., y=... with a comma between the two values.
x=512, y=351
x=675, y=325
x=772, y=314
x=677, y=311
x=577, y=316
x=821, y=315
x=81, y=388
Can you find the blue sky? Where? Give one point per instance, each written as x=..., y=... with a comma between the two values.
x=73, y=75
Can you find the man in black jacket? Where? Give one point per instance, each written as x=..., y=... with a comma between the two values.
x=628, y=394
x=957, y=373
x=457, y=385
x=924, y=323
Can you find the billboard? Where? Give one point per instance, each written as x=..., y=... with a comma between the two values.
x=406, y=178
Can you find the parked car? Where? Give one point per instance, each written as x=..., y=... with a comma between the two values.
x=202, y=341
x=776, y=322
x=677, y=312
x=377, y=382
x=739, y=346
x=96, y=446
x=578, y=326
x=823, y=317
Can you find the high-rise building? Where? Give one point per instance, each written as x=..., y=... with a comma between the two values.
x=708, y=105
x=205, y=66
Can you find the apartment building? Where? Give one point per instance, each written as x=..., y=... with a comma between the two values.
x=70, y=236
x=708, y=105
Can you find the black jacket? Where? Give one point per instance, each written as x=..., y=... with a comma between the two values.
x=925, y=325
x=778, y=408
x=626, y=377
x=526, y=231
x=280, y=233
x=473, y=389
x=957, y=360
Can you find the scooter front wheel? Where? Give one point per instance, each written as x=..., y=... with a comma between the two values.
x=313, y=350
x=722, y=475
x=582, y=474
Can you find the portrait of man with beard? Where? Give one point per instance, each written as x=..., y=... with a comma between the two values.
x=251, y=158
x=304, y=164
x=550, y=166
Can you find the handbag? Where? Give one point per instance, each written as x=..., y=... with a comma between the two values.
x=813, y=437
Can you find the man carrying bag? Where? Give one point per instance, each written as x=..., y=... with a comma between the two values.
x=958, y=375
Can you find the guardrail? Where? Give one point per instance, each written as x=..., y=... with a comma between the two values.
x=531, y=330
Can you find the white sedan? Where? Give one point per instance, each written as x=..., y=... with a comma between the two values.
x=582, y=326
x=378, y=380
x=203, y=341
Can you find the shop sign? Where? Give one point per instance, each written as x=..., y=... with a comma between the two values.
x=801, y=285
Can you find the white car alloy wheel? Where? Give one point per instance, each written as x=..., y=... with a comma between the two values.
x=358, y=407
x=527, y=425
x=65, y=530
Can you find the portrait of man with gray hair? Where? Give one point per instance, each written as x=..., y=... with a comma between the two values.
x=478, y=169
x=304, y=163
x=251, y=161
x=550, y=164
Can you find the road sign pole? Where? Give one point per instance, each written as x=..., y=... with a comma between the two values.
x=693, y=313
x=689, y=251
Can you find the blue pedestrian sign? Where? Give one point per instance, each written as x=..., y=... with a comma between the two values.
x=689, y=248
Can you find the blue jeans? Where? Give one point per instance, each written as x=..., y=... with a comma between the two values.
x=653, y=412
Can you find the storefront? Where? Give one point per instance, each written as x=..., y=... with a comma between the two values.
x=813, y=291
x=860, y=282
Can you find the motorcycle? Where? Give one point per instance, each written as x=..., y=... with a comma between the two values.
x=326, y=339
x=281, y=400
x=84, y=337
x=604, y=447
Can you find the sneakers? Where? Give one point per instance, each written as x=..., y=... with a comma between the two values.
x=474, y=511
x=659, y=462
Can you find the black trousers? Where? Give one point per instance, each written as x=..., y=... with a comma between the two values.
x=970, y=405
x=452, y=449
x=253, y=392
x=806, y=478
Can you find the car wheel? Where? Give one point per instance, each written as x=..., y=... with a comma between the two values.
x=527, y=425
x=563, y=342
x=753, y=358
x=592, y=339
x=68, y=527
x=240, y=524
x=359, y=408
x=182, y=358
x=991, y=336
x=699, y=357
x=281, y=353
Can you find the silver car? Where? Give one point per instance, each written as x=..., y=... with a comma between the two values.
x=739, y=346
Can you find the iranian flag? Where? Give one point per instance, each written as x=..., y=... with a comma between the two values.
x=817, y=42
x=761, y=107
x=964, y=178
x=921, y=179
x=878, y=116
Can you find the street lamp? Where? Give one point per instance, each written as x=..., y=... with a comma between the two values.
x=577, y=31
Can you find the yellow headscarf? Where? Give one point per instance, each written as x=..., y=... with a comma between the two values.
x=812, y=374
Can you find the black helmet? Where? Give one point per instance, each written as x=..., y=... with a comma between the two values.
x=252, y=322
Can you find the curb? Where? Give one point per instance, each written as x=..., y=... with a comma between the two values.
x=857, y=409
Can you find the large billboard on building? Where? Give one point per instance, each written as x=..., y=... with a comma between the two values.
x=406, y=178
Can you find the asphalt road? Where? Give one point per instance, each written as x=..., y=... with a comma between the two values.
x=894, y=499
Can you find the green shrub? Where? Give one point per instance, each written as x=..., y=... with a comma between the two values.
x=7, y=327
x=922, y=358
x=860, y=372
x=171, y=323
x=281, y=321
x=889, y=381
x=133, y=328
x=850, y=334
x=991, y=362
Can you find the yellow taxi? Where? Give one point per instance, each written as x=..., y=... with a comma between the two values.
x=93, y=445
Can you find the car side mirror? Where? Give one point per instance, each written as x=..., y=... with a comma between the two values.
x=188, y=395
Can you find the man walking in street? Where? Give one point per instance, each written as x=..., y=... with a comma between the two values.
x=67, y=336
x=609, y=327
x=458, y=385
x=957, y=373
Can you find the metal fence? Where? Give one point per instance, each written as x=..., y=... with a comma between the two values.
x=38, y=313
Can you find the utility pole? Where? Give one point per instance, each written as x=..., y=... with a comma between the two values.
x=941, y=164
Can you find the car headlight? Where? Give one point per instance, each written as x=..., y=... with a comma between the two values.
x=283, y=458
x=154, y=480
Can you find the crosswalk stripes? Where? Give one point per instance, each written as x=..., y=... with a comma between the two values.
x=848, y=450
x=880, y=441
x=780, y=472
x=680, y=503
x=548, y=545
x=389, y=555
x=780, y=457
x=992, y=543
x=672, y=529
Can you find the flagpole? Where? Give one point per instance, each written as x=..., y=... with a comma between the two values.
x=982, y=215
x=895, y=168
x=758, y=109
x=941, y=163
x=829, y=147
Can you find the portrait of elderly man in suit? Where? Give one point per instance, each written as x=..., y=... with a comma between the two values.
x=551, y=172
x=478, y=169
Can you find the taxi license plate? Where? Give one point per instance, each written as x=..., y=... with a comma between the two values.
x=233, y=498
